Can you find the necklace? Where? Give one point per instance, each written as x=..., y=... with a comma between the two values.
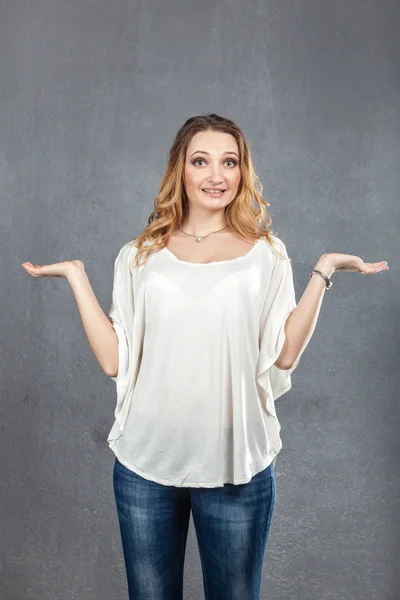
x=200, y=238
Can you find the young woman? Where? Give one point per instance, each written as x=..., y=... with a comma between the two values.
x=202, y=337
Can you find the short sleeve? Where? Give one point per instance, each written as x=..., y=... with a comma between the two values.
x=121, y=316
x=279, y=302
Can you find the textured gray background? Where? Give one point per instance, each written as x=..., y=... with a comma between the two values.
x=92, y=93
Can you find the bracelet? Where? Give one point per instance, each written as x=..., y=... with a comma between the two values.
x=327, y=280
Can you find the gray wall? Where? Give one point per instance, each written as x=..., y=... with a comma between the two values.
x=92, y=94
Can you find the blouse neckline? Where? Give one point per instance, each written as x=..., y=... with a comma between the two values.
x=213, y=262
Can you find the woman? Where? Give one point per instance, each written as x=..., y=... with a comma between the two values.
x=202, y=337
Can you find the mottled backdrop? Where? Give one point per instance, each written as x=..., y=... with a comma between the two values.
x=92, y=94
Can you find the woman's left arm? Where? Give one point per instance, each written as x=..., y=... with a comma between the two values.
x=301, y=322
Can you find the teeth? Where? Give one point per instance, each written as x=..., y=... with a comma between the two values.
x=213, y=191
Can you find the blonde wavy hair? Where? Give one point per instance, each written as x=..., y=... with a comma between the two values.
x=247, y=214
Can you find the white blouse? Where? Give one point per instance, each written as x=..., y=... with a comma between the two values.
x=196, y=381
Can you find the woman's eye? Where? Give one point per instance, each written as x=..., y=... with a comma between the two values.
x=231, y=160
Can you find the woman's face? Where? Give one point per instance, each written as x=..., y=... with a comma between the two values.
x=212, y=162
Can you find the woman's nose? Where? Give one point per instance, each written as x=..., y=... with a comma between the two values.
x=215, y=176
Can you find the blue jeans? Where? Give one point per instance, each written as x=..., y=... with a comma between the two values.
x=231, y=523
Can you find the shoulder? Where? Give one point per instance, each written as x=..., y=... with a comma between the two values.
x=125, y=255
x=275, y=247
x=129, y=247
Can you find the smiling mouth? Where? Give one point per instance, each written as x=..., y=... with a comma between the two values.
x=211, y=192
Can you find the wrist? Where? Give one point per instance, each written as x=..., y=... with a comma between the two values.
x=325, y=265
x=76, y=273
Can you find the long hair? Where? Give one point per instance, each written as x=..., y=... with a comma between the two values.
x=247, y=213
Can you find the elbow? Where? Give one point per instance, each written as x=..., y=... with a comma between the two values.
x=288, y=364
x=112, y=362
x=284, y=366
x=111, y=372
x=284, y=363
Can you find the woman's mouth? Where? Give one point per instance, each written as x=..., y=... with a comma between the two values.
x=213, y=193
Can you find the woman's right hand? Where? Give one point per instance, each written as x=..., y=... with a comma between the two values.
x=61, y=269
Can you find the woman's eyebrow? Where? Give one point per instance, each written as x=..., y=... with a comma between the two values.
x=208, y=154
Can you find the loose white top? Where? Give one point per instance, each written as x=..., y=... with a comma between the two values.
x=196, y=380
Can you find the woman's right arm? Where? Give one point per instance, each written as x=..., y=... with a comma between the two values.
x=98, y=329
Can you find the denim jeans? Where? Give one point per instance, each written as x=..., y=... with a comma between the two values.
x=231, y=524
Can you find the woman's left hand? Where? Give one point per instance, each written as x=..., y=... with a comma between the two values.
x=347, y=262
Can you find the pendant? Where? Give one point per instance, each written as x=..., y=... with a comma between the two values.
x=200, y=238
